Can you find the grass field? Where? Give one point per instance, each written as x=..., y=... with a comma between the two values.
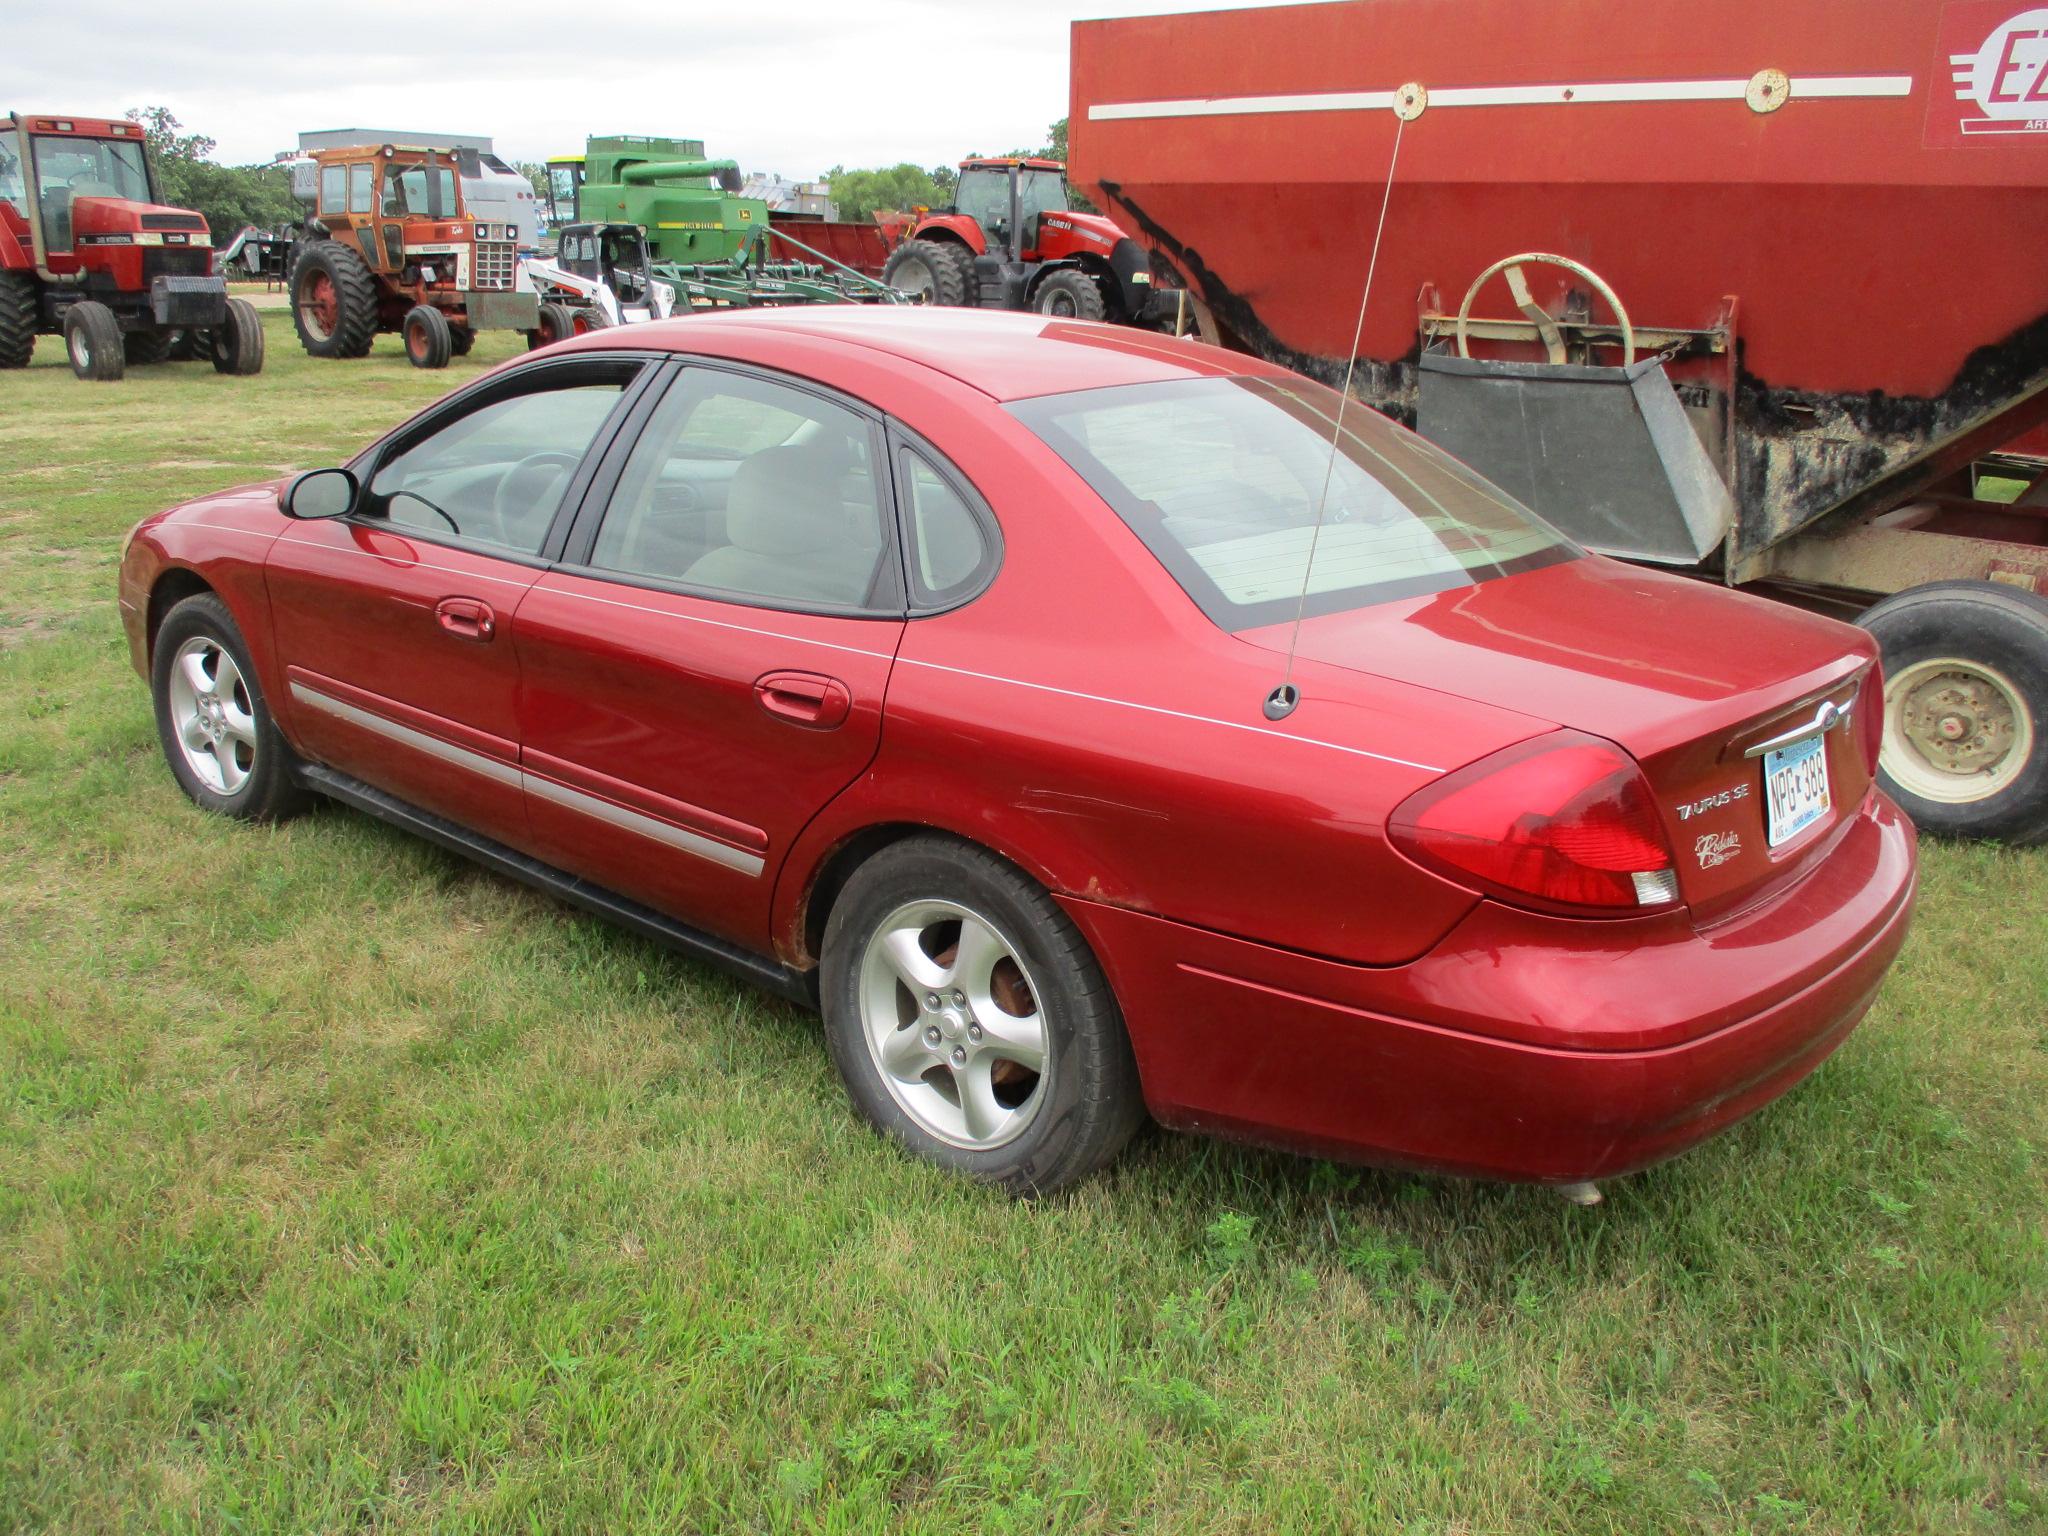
x=342, y=1186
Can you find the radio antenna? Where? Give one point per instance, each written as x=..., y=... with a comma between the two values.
x=1408, y=102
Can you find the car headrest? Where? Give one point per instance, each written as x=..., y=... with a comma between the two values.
x=785, y=501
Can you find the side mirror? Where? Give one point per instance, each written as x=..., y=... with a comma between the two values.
x=320, y=493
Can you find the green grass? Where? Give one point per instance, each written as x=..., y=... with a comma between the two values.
x=344, y=1186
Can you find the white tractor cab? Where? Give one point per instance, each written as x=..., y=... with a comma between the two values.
x=599, y=276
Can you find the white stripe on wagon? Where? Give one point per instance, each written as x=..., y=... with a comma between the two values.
x=1818, y=86
x=678, y=838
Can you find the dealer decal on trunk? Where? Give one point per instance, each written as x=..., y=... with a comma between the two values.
x=1716, y=848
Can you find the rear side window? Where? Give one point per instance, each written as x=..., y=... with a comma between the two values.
x=952, y=551
x=1223, y=478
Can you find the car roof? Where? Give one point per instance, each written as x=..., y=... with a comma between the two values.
x=1005, y=356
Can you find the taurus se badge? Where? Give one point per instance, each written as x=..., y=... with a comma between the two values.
x=1715, y=848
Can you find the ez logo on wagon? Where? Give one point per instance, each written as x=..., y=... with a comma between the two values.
x=1998, y=61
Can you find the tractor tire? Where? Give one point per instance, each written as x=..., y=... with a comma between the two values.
x=556, y=324
x=92, y=340
x=429, y=339
x=145, y=348
x=940, y=270
x=460, y=339
x=238, y=340
x=1965, y=748
x=587, y=319
x=334, y=300
x=1070, y=294
x=17, y=319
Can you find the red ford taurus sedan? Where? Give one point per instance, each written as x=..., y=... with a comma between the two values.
x=1055, y=710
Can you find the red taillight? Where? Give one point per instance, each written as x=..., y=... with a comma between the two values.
x=1565, y=822
x=1869, y=722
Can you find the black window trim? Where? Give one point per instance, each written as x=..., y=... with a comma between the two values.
x=580, y=538
x=923, y=605
x=485, y=391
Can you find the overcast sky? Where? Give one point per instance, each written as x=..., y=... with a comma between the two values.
x=793, y=86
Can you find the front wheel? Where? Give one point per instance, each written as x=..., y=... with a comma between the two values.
x=970, y=1022
x=1070, y=294
x=215, y=726
x=92, y=340
x=429, y=339
x=238, y=340
x=1965, y=749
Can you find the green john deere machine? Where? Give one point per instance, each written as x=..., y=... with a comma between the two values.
x=705, y=239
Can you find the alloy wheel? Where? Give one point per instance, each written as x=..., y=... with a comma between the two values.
x=211, y=715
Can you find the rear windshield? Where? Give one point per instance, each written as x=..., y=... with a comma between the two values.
x=1222, y=479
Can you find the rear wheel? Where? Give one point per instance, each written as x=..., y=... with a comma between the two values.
x=238, y=340
x=144, y=348
x=92, y=340
x=17, y=319
x=460, y=339
x=1071, y=294
x=1965, y=750
x=555, y=324
x=970, y=1021
x=334, y=300
x=428, y=337
x=224, y=749
x=939, y=271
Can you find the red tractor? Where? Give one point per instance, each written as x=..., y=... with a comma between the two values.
x=88, y=252
x=1011, y=242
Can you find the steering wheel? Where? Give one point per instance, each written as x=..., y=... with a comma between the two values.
x=453, y=525
x=1546, y=325
x=523, y=485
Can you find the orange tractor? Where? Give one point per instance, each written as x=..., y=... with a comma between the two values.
x=89, y=252
x=389, y=247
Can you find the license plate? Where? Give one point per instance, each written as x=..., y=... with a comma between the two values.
x=1795, y=788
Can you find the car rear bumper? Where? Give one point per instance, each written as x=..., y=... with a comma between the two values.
x=1520, y=1047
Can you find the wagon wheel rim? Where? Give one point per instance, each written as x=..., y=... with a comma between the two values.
x=319, y=305
x=1956, y=731
x=212, y=716
x=954, y=1025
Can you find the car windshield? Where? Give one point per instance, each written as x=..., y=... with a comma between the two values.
x=1222, y=480
x=92, y=167
x=422, y=191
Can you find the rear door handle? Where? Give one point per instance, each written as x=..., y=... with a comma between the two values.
x=466, y=618
x=807, y=699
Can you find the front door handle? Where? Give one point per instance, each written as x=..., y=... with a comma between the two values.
x=466, y=618
x=807, y=699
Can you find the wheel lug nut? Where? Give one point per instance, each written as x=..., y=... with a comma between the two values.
x=931, y=1036
x=959, y=1056
x=959, y=998
x=931, y=1000
x=974, y=1031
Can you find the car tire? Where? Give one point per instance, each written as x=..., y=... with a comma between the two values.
x=429, y=340
x=939, y=269
x=334, y=300
x=92, y=341
x=1965, y=749
x=144, y=349
x=1070, y=294
x=18, y=306
x=1021, y=1075
x=556, y=323
x=238, y=340
x=212, y=720
x=460, y=339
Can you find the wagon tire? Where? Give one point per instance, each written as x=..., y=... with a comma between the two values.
x=92, y=341
x=334, y=300
x=238, y=340
x=1965, y=748
x=429, y=339
x=971, y=1023
x=212, y=719
x=555, y=323
x=939, y=269
x=1070, y=294
x=17, y=319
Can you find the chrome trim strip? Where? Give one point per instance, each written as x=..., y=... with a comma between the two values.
x=678, y=838
x=1825, y=719
x=493, y=768
x=646, y=826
